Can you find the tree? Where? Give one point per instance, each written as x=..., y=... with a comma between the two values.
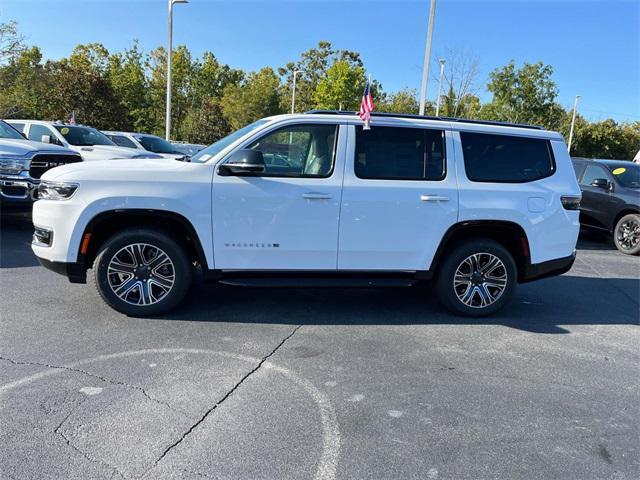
x=607, y=139
x=126, y=75
x=525, y=95
x=313, y=66
x=403, y=101
x=205, y=124
x=460, y=84
x=11, y=42
x=342, y=87
x=256, y=97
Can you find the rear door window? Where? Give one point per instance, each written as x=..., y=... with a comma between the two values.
x=506, y=158
x=397, y=153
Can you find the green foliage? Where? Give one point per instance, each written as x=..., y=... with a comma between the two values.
x=127, y=91
x=525, y=95
x=256, y=97
x=403, y=101
x=342, y=87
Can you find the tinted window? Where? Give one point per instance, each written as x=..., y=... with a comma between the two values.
x=83, y=136
x=579, y=169
x=504, y=158
x=627, y=175
x=298, y=151
x=18, y=126
x=591, y=173
x=156, y=144
x=7, y=131
x=399, y=153
x=37, y=131
x=122, y=141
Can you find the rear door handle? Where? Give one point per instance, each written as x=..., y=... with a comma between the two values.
x=434, y=198
x=316, y=196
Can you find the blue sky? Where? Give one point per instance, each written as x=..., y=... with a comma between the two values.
x=594, y=46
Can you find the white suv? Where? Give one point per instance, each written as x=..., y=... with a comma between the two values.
x=314, y=199
x=88, y=142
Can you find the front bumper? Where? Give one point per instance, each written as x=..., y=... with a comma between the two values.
x=558, y=266
x=18, y=189
x=75, y=272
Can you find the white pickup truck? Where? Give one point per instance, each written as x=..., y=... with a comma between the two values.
x=22, y=163
x=88, y=142
x=315, y=200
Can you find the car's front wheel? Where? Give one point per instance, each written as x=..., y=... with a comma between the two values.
x=142, y=271
x=477, y=278
x=627, y=234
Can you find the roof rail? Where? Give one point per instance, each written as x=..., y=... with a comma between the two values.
x=426, y=117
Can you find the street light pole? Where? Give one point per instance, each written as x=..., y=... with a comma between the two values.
x=167, y=133
x=293, y=94
x=573, y=122
x=427, y=56
x=440, y=87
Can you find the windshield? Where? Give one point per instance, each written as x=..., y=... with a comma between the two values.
x=7, y=131
x=628, y=176
x=212, y=150
x=83, y=136
x=156, y=144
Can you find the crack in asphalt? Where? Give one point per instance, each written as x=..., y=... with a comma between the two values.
x=99, y=377
x=219, y=402
x=60, y=433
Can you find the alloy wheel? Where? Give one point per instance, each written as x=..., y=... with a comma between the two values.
x=628, y=234
x=480, y=280
x=141, y=274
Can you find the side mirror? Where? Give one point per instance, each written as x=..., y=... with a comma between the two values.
x=243, y=162
x=46, y=139
x=601, y=183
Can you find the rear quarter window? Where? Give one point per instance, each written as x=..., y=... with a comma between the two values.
x=506, y=158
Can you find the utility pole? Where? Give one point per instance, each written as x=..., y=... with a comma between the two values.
x=573, y=122
x=293, y=94
x=440, y=87
x=427, y=57
x=167, y=133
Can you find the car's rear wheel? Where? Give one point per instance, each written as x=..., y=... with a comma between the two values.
x=477, y=278
x=142, y=271
x=626, y=235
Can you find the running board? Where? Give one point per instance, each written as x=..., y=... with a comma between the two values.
x=318, y=282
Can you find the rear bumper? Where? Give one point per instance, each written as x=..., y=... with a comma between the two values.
x=75, y=272
x=558, y=266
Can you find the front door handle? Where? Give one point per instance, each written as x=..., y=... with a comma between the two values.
x=434, y=198
x=316, y=196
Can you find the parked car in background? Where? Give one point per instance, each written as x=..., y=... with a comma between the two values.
x=611, y=200
x=188, y=148
x=87, y=141
x=316, y=200
x=144, y=143
x=22, y=162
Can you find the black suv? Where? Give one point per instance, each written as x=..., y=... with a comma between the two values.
x=611, y=199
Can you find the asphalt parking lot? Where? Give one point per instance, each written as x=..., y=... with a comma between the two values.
x=320, y=384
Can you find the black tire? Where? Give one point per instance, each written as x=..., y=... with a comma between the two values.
x=628, y=225
x=152, y=278
x=486, y=284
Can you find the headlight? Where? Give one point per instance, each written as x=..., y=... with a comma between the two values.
x=56, y=190
x=13, y=166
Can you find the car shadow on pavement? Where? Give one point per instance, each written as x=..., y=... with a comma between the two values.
x=547, y=306
x=595, y=240
x=15, y=239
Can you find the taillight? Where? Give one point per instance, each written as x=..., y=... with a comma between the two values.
x=571, y=202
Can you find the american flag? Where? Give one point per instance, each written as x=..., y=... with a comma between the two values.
x=366, y=105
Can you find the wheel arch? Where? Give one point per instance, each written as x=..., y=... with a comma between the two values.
x=106, y=223
x=509, y=234
x=625, y=211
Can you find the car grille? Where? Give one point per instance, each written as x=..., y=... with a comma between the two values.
x=43, y=162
